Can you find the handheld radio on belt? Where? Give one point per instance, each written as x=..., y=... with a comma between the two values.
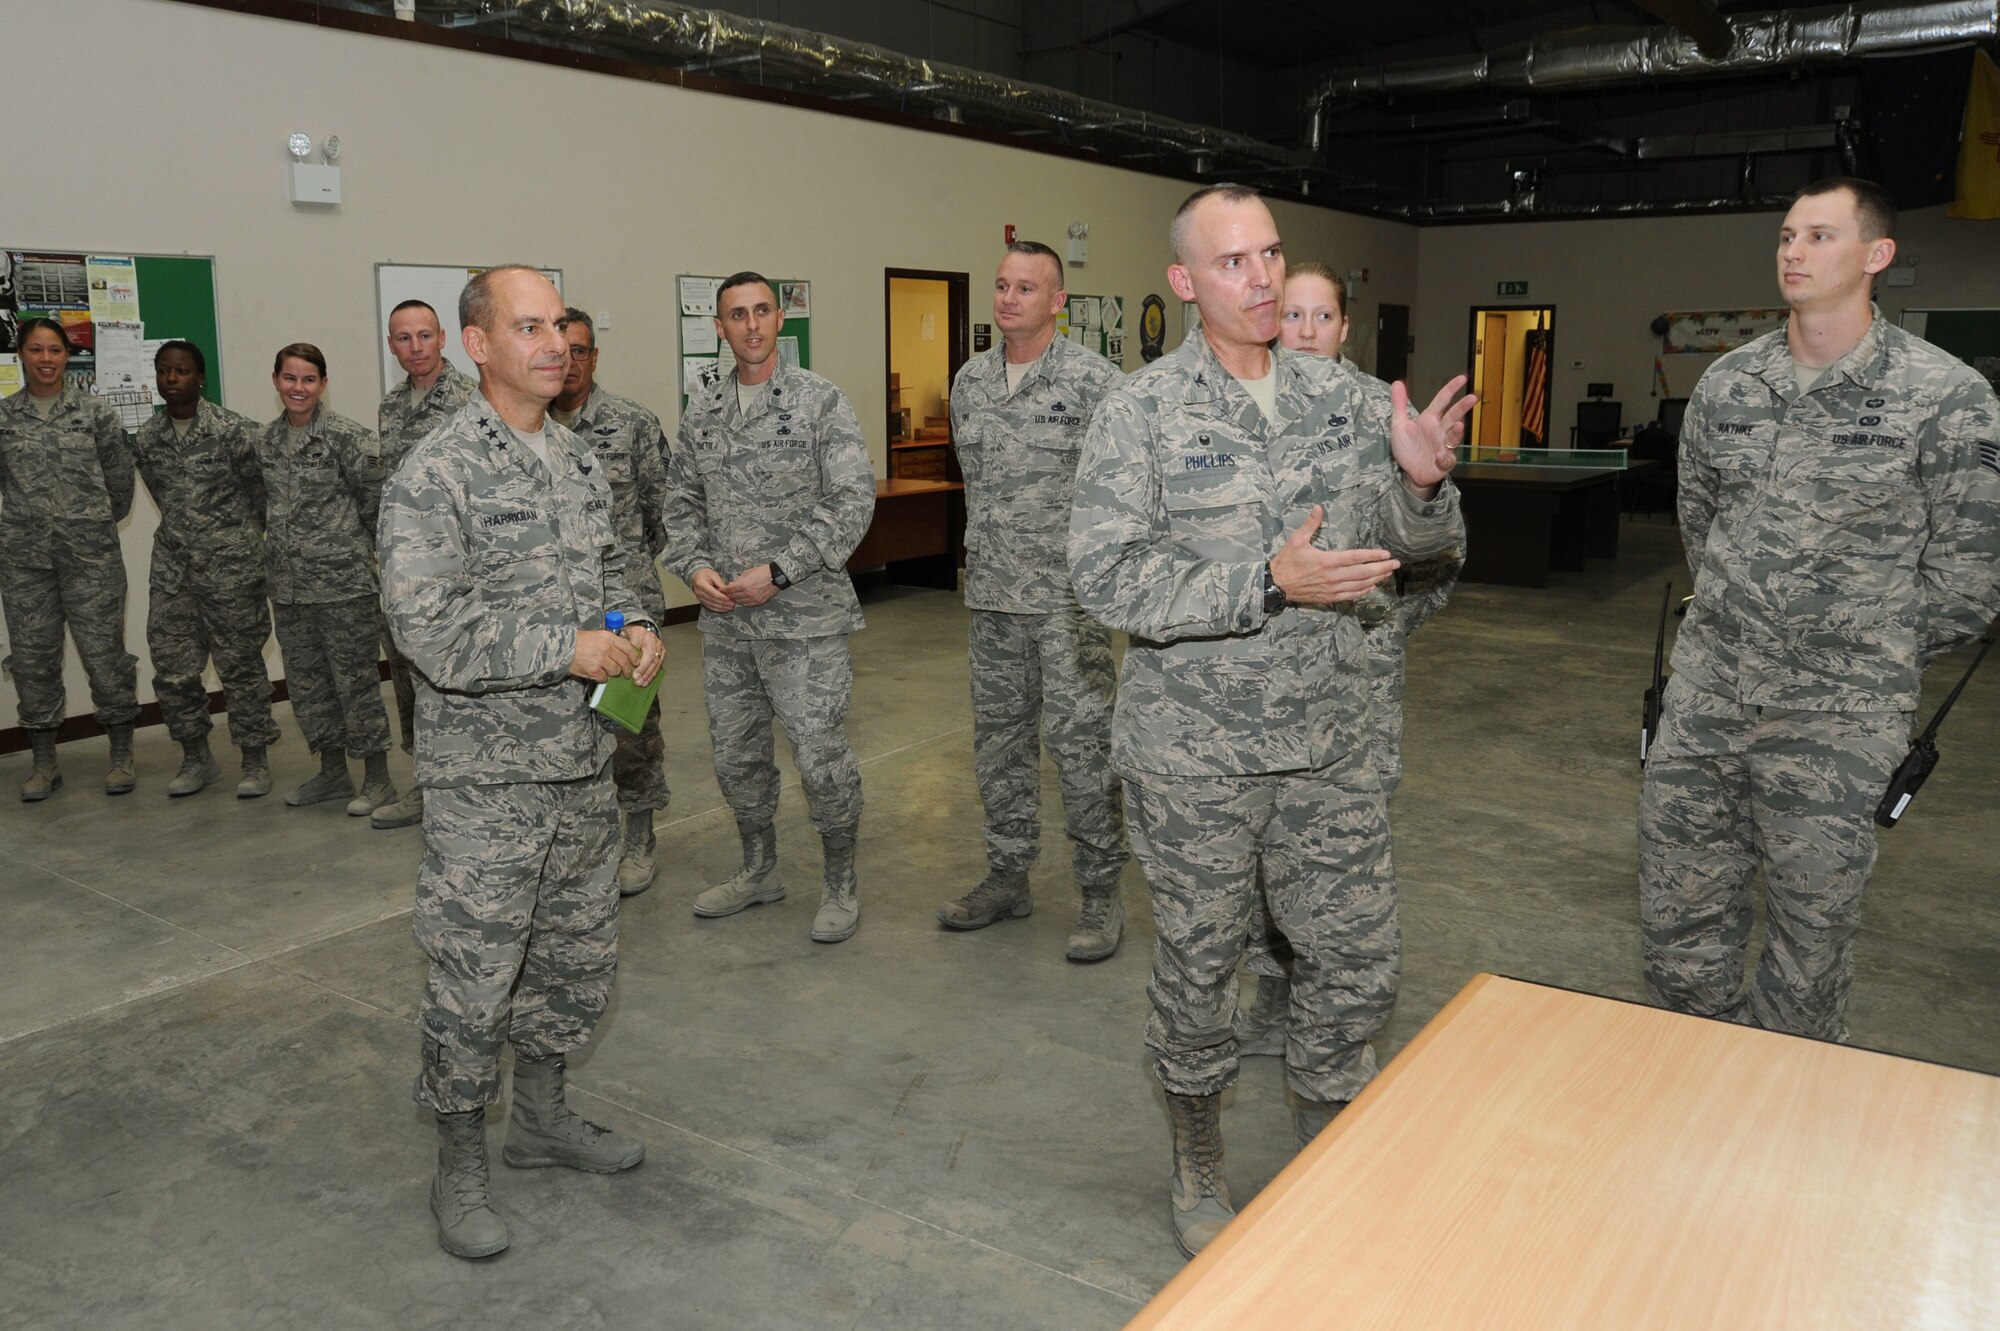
x=1649, y=711
x=1922, y=758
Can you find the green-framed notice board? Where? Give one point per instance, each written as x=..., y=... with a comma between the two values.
x=702, y=348
x=116, y=309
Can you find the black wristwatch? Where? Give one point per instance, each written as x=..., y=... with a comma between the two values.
x=778, y=578
x=1274, y=595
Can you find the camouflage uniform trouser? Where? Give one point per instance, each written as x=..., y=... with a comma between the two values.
x=184, y=629
x=517, y=909
x=806, y=684
x=86, y=589
x=1729, y=788
x=1267, y=952
x=404, y=689
x=1053, y=670
x=639, y=766
x=1320, y=841
x=333, y=674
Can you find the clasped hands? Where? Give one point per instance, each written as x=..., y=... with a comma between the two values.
x=751, y=587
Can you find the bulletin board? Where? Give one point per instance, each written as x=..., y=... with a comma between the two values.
x=117, y=309
x=1971, y=335
x=437, y=285
x=702, y=349
x=1095, y=323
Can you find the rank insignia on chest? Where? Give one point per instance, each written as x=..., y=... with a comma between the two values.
x=492, y=433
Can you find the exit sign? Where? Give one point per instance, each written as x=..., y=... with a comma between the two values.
x=1513, y=288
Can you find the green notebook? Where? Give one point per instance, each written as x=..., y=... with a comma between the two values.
x=625, y=702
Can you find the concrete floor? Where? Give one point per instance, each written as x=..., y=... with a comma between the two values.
x=207, y=1042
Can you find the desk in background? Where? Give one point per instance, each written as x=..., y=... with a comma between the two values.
x=1539, y=510
x=1541, y=1160
x=917, y=534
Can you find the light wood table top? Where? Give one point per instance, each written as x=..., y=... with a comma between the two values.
x=1542, y=1160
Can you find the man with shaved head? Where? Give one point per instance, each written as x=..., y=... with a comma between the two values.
x=499, y=564
x=1234, y=501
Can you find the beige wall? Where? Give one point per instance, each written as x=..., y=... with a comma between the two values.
x=1608, y=279
x=924, y=365
x=453, y=157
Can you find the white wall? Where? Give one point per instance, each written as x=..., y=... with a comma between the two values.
x=461, y=158
x=1608, y=279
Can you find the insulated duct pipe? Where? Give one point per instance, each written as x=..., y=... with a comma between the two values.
x=1600, y=57
x=685, y=34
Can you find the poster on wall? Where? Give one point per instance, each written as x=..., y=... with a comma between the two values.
x=97, y=299
x=1717, y=330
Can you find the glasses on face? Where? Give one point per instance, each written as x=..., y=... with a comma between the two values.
x=580, y=352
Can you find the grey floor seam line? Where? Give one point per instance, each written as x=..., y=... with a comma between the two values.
x=850, y=1193
x=242, y=959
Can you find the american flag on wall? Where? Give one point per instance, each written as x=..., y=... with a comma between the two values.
x=1535, y=393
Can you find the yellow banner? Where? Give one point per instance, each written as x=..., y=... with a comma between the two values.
x=1979, y=146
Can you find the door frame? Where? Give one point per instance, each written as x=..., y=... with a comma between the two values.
x=958, y=339
x=1472, y=322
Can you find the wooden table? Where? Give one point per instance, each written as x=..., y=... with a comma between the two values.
x=1543, y=1160
x=1523, y=520
x=917, y=534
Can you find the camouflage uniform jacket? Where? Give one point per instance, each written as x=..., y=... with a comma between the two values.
x=631, y=449
x=1019, y=454
x=489, y=570
x=210, y=493
x=319, y=509
x=404, y=418
x=1183, y=494
x=791, y=482
x=1841, y=539
x=67, y=478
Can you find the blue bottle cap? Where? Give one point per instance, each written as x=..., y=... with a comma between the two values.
x=614, y=620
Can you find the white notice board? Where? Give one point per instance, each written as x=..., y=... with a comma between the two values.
x=438, y=286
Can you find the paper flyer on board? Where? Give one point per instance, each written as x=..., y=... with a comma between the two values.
x=697, y=335
x=114, y=288
x=698, y=295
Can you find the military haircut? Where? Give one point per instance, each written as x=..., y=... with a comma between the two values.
x=1871, y=203
x=1177, y=232
x=1314, y=268
x=43, y=321
x=193, y=351
x=744, y=279
x=1036, y=247
x=475, y=302
x=304, y=351
x=415, y=304
x=573, y=316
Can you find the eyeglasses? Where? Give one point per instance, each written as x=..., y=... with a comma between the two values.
x=582, y=353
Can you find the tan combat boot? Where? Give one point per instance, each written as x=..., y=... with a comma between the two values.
x=544, y=1131
x=120, y=777
x=756, y=883
x=999, y=896
x=1100, y=925
x=1200, y=1197
x=198, y=768
x=638, y=859
x=467, y=1225
x=839, y=913
x=43, y=779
